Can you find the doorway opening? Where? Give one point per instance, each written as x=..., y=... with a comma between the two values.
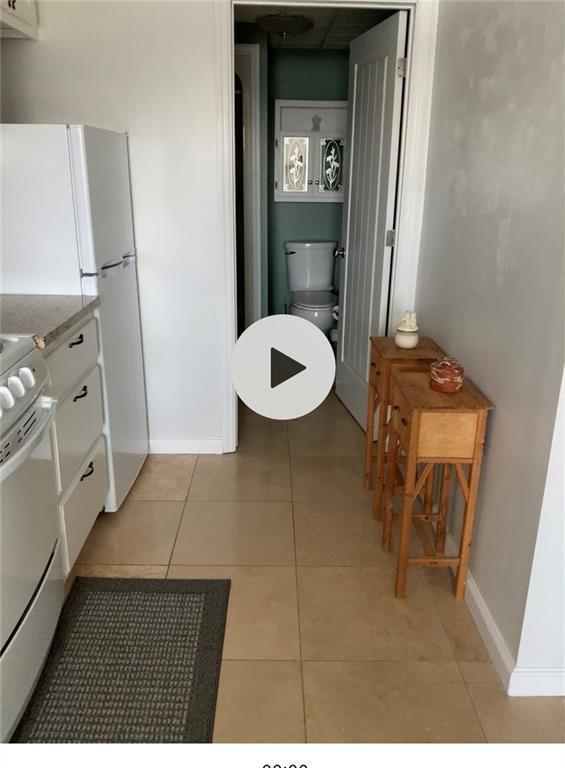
x=330, y=107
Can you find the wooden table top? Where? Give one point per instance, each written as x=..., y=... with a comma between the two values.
x=415, y=386
x=426, y=349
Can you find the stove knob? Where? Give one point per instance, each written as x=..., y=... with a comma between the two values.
x=6, y=398
x=16, y=387
x=26, y=375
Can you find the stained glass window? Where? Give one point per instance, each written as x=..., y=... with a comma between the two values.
x=295, y=164
x=331, y=166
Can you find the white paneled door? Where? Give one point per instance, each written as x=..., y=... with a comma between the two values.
x=375, y=104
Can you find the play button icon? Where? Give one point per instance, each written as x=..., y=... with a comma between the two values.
x=283, y=367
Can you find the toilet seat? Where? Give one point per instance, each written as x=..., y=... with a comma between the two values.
x=314, y=299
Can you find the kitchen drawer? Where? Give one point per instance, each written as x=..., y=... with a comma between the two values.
x=84, y=502
x=78, y=424
x=75, y=356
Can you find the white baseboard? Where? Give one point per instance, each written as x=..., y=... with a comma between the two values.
x=518, y=681
x=537, y=681
x=185, y=446
x=499, y=652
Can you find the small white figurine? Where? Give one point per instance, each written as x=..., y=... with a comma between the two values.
x=406, y=336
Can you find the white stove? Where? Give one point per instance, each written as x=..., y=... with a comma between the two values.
x=31, y=580
x=23, y=375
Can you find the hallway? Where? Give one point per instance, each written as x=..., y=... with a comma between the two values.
x=317, y=648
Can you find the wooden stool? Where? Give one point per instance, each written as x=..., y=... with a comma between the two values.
x=386, y=357
x=432, y=429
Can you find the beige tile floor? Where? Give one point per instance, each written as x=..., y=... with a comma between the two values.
x=316, y=646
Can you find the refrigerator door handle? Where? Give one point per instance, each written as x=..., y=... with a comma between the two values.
x=123, y=261
x=111, y=265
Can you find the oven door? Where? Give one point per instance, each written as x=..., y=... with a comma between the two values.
x=28, y=513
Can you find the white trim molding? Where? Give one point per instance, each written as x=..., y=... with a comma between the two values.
x=224, y=76
x=517, y=680
x=537, y=681
x=251, y=178
x=414, y=157
x=186, y=446
x=500, y=654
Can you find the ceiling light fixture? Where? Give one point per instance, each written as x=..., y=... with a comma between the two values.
x=282, y=25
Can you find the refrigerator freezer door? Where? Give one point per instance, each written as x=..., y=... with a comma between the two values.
x=102, y=187
x=122, y=358
x=38, y=232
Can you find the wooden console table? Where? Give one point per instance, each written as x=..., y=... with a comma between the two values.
x=386, y=358
x=431, y=429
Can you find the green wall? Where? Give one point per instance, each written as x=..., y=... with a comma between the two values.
x=305, y=75
x=245, y=34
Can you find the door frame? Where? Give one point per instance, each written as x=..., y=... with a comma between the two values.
x=252, y=191
x=417, y=102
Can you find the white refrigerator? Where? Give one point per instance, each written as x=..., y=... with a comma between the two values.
x=67, y=228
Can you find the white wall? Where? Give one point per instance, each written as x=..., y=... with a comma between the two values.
x=490, y=287
x=541, y=656
x=148, y=68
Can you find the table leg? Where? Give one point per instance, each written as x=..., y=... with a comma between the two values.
x=441, y=528
x=405, y=525
x=389, y=492
x=470, y=509
x=371, y=408
x=429, y=493
x=381, y=455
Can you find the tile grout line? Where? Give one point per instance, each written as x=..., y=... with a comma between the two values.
x=296, y=588
x=182, y=515
x=475, y=710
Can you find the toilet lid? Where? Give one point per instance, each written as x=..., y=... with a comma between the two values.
x=314, y=299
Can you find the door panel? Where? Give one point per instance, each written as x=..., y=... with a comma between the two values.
x=375, y=101
x=122, y=355
x=101, y=170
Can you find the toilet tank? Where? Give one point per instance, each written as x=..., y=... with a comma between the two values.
x=310, y=264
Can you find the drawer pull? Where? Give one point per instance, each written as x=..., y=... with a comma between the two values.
x=83, y=393
x=89, y=471
x=395, y=407
x=79, y=340
x=403, y=422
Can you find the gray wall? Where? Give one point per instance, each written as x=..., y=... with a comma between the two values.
x=490, y=285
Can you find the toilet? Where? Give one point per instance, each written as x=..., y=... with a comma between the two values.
x=310, y=266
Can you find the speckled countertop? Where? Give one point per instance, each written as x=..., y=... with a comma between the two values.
x=46, y=318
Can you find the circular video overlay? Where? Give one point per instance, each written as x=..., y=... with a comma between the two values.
x=283, y=367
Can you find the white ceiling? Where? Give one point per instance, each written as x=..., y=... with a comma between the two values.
x=334, y=28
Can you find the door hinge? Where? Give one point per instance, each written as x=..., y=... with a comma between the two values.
x=276, y=184
x=401, y=67
x=277, y=143
x=390, y=238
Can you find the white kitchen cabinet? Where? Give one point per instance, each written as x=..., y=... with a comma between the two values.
x=80, y=448
x=83, y=502
x=18, y=18
x=72, y=358
x=78, y=424
x=309, y=151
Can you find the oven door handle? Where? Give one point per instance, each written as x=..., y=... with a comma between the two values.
x=47, y=410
